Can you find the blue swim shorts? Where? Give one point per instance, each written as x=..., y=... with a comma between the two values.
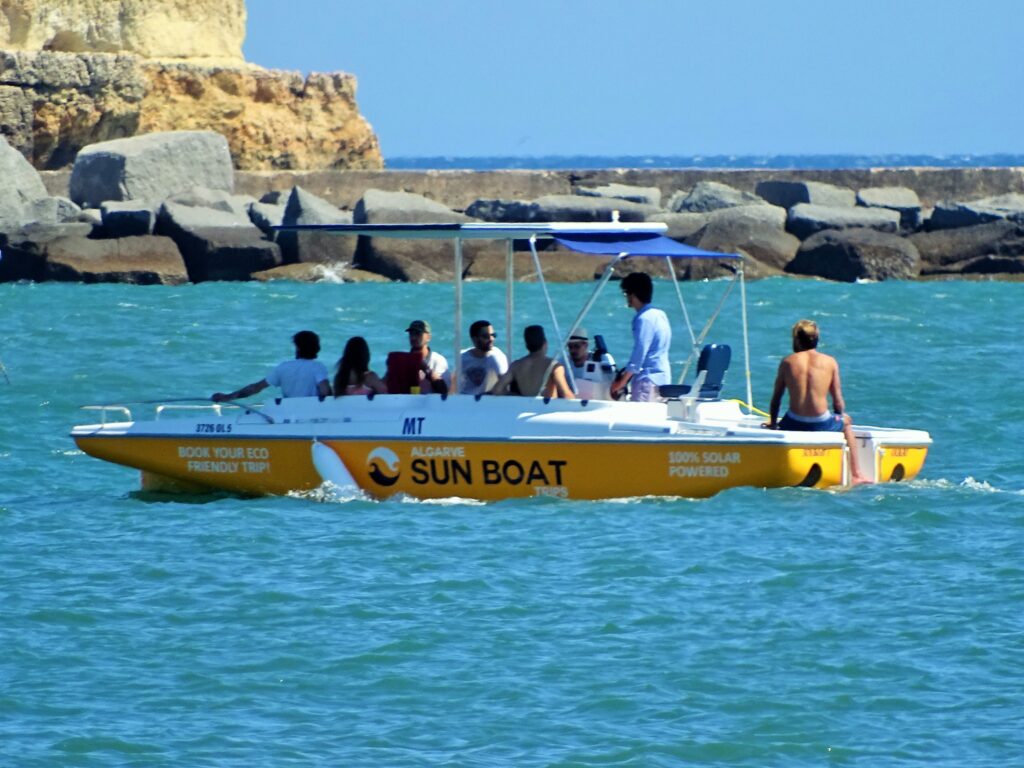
x=827, y=422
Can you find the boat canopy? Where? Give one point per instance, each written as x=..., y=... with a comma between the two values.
x=599, y=238
x=636, y=245
x=617, y=239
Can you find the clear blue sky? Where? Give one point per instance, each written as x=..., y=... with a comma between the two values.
x=665, y=77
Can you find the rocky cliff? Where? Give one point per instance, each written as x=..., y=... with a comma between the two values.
x=76, y=72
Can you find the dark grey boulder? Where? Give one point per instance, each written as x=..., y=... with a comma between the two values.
x=409, y=260
x=153, y=166
x=24, y=250
x=305, y=208
x=21, y=186
x=947, y=250
x=805, y=219
x=503, y=211
x=681, y=225
x=758, y=231
x=275, y=197
x=128, y=218
x=574, y=208
x=266, y=216
x=144, y=260
x=786, y=194
x=217, y=199
x=377, y=206
x=901, y=199
x=994, y=265
x=709, y=196
x=950, y=215
x=632, y=194
x=856, y=254
x=214, y=245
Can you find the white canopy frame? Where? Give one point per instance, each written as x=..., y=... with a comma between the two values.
x=532, y=233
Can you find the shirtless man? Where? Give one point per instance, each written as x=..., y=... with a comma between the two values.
x=810, y=377
x=526, y=375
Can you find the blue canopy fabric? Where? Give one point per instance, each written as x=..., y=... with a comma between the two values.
x=636, y=245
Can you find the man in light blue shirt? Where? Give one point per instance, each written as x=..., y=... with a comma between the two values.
x=648, y=366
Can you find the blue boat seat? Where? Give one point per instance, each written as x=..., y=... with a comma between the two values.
x=711, y=367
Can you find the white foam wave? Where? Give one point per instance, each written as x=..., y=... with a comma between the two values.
x=968, y=483
x=329, y=493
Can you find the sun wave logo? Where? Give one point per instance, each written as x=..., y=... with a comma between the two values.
x=383, y=466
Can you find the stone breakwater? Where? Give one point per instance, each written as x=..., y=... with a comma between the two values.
x=171, y=208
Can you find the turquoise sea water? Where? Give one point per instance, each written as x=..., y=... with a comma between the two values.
x=872, y=627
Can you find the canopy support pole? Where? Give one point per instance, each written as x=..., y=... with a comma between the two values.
x=510, y=278
x=458, y=314
x=544, y=286
x=711, y=321
x=686, y=315
x=746, y=340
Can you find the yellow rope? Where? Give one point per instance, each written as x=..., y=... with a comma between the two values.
x=751, y=408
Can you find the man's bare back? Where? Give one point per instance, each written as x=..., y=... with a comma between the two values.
x=529, y=372
x=810, y=377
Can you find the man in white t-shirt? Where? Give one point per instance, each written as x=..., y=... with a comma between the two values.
x=481, y=365
x=305, y=376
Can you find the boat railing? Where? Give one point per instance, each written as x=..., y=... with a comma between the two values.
x=105, y=409
x=179, y=408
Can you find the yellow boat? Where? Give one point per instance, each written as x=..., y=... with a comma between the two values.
x=693, y=444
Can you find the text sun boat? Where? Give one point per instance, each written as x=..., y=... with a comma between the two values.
x=694, y=444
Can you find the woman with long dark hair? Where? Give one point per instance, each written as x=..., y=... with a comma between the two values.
x=354, y=376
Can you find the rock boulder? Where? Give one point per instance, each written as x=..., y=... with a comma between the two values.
x=709, y=196
x=144, y=260
x=21, y=186
x=314, y=247
x=949, y=215
x=504, y=211
x=576, y=208
x=900, y=199
x=128, y=218
x=401, y=259
x=758, y=231
x=214, y=245
x=805, y=219
x=789, y=193
x=632, y=194
x=856, y=254
x=24, y=250
x=151, y=167
x=943, y=250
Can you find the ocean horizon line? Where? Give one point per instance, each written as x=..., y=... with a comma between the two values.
x=729, y=162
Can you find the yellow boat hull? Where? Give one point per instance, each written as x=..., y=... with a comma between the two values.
x=483, y=470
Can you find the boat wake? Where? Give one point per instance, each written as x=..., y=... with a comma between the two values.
x=967, y=484
x=329, y=493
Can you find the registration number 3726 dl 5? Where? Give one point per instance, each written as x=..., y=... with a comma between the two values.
x=213, y=428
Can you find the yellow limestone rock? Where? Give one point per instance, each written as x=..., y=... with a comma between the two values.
x=180, y=29
x=77, y=72
x=273, y=120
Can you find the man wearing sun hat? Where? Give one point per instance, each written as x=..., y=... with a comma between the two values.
x=579, y=351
